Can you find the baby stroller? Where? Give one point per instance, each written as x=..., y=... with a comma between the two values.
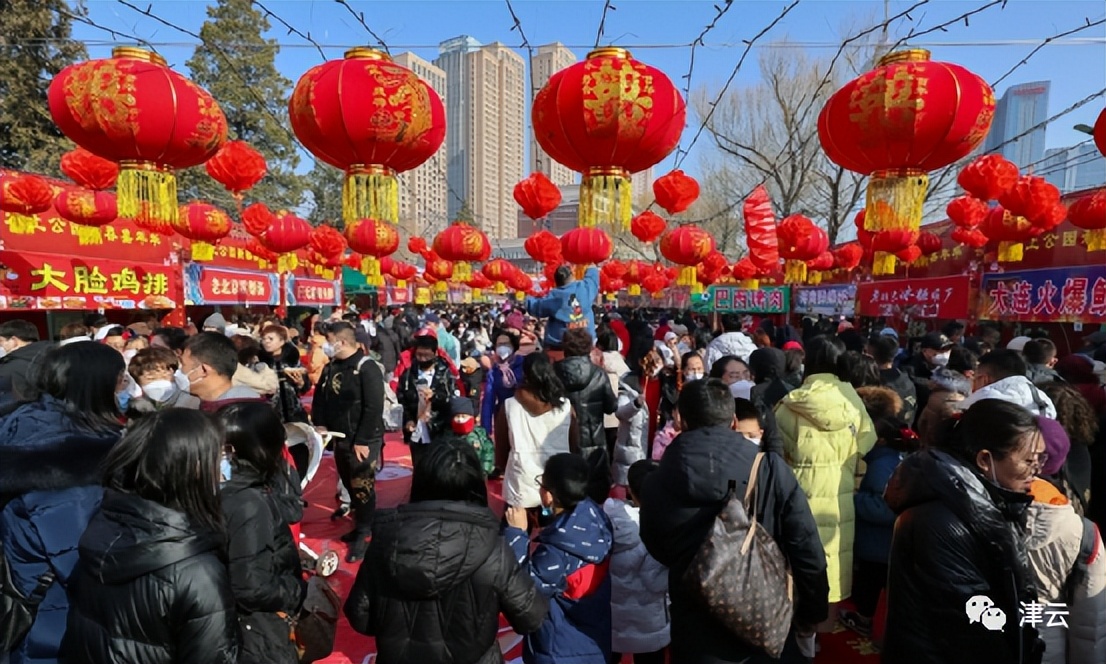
x=306, y=445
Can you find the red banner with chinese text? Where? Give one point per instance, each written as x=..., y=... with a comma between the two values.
x=939, y=297
x=50, y=281
x=304, y=292
x=205, y=284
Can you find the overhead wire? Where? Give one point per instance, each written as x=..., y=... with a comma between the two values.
x=699, y=41
x=1048, y=40
x=607, y=6
x=360, y=16
x=116, y=34
x=943, y=27
x=292, y=30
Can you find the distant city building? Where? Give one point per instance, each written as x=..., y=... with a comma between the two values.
x=1021, y=107
x=423, y=191
x=548, y=60
x=642, y=185
x=1073, y=168
x=485, y=115
x=559, y=221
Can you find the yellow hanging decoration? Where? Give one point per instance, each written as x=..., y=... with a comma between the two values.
x=894, y=201
x=147, y=193
x=751, y=284
x=370, y=192
x=477, y=294
x=605, y=200
x=202, y=251
x=370, y=267
x=499, y=288
x=462, y=271
x=814, y=278
x=634, y=290
x=1095, y=239
x=520, y=296
x=287, y=263
x=795, y=272
x=88, y=235
x=1010, y=252
x=688, y=276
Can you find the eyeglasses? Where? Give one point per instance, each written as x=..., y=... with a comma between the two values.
x=1038, y=460
x=537, y=480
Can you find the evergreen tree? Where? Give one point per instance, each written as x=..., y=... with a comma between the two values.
x=324, y=186
x=237, y=65
x=35, y=44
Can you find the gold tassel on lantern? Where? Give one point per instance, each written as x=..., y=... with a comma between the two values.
x=688, y=276
x=795, y=272
x=1095, y=239
x=605, y=200
x=500, y=288
x=520, y=296
x=462, y=271
x=750, y=284
x=634, y=290
x=202, y=251
x=287, y=263
x=370, y=267
x=147, y=193
x=477, y=294
x=1010, y=252
x=370, y=192
x=894, y=201
x=88, y=235
x=814, y=278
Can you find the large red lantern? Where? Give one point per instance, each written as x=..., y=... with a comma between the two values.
x=374, y=240
x=22, y=199
x=286, y=234
x=896, y=123
x=675, y=191
x=205, y=225
x=800, y=241
x=134, y=110
x=238, y=167
x=89, y=210
x=463, y=244
x=988, y=176
x=1089, y=213
x=537, y=195
x=586, y=246
x=544, y=247
x=607, y=117
x=372, y=118
x=687, y=246
x=648, y=226
x=760, y=230
x=88, y=170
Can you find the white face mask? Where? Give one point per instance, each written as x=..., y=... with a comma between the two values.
x=741, y=389
x=503, y=352
x=328, y=349
x=755, y=441
x=941, y=359
x=682, y=349
x=693, y=376
x=159, y=390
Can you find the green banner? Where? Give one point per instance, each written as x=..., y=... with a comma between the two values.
x=354, y=283
x=734, y=299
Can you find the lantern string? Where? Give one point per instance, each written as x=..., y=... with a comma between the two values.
x=943, y=26
x=360, y=16
x=699, y=41
x=116, y=34
x=529, y=51
x=1086, y=24
x=292, y=30
x=603, y=22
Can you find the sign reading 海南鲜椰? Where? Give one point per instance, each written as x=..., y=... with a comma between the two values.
x=828, y=300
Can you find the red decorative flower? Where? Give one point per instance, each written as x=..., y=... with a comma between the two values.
x=675, y=191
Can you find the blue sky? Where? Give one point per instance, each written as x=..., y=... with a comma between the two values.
x=658, y=32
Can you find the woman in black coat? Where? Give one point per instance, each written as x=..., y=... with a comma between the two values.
x=260, y=501
x=959, y=569
x=590, y=392
x=151, y=585
x=438, y=572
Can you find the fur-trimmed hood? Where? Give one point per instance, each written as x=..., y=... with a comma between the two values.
x=44, y=449
x=880, y=402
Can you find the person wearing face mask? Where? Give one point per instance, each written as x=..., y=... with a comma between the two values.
x=20, y=342
x=959, y=542
x=153, y=370
x=502, y=380
x=424, y=391
x=1001, y=375
x=933, y=353
x=463, y=427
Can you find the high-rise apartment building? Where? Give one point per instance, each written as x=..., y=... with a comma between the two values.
x=548, y=60
x=423, y=191
x=642, y=185
x=485, y=120
x=1021, y=108
x=1073, y=168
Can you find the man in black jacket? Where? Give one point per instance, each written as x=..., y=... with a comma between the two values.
x=21, y=345
x=349, y=399
x=932, y=354
x=425, y=390
x=884, y=349
x=589, y=390
x=682, y=498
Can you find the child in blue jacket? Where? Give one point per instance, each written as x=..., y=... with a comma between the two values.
x=568, y=306
x=570, y=566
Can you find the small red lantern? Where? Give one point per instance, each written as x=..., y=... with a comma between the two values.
x=499, y=271
x=988, y=177
x=260, y=251
x=544, y=247
x=586, y=246
x=88, y=170
x=439, y=268
x=287, y=234
x=537, y=196
x=89, y=210
x=929, y=243
x=374, y=240
x=823, y=263
x=647, y=226
x=257, y=219
x=22, y=199
x=1031, y=197
x=675, y=191
x=1010, y=230
x=614, y=269
x=418, y=246
x=402, y=272
x=848, y=257
x=967, y=211
x=1089, y=213
x=205, y=225
x=478, y=283
x=327, y=241
x=655, y=282
x=909, y=255
x=972, y=238
x=715, y=261
x=746, y=271
x=520, y=282
x=463, y=244
x=238, y=167
x=800, y=241
x=687, y=246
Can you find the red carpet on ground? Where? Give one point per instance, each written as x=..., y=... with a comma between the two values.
x=393, y=488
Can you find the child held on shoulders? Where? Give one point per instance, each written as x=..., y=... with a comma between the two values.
x=570, y=565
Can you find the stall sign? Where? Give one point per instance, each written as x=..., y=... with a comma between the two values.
x=204, y=284
x=825, y=300
x=939, y=297
x=397, y=295
x=422, y=295
x=121, y=239
x=48, y=281
x=303, y=292
x=1059, y=295
x=767, y=300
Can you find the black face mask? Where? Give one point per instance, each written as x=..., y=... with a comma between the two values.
x=426, y=365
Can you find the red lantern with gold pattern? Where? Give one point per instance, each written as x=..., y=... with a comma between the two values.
x=463, y=244
x=371, y=118
x=800, y=241
x=499, y=271
x=607, y=117
x=1089, y=213
x=967, y=211
x=675, y=191
x=22, y=199
x=1010, y=230
x=896, y=123
x=88, y=170
x=238, y=167
x=205, y=225
x=537, y=195
x=89, y=210
x=134, y=110
x=586, y=246
x=988, y=177
x=687, y=246
x=520, y=282
x=648, y=226
x=286, y=234
x=847, y=257
x=438, y=268
x=929, y=242
x=374, y=240
x=544, y=247
x=327, y=241
x=655, y=282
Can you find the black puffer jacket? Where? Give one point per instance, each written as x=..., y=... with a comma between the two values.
x=264, y=563
x=286, y=401
x=149, y=588
x=589, y=390
x=904, y=387
x=436, y=577
x=679, y=503
x=957, y=537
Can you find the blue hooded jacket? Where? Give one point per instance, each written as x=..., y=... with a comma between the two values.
x=50, y=469
x=875, y=522
x=567, y=307
x=571, y=567
x=496, y=391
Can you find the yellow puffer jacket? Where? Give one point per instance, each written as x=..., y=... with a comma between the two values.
x=826, y=431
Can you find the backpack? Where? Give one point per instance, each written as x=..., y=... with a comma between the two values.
x=17, y=613
x=740, y=575
x=393, y=411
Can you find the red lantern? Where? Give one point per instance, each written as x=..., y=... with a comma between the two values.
x=967, y=211
x=675, y=191
x=972, y=238
x=205, y=225
x=822, y=263
x=1010, y=230
x=22, y=199
x=353, y=262
x=715, y=261
x=537, y=196
x=655, y=282
x=892, y=242
x=848, y=257
x=1050, y=219
x=906, y=117
x=374, y=240
x=463, y=244
x=88, y=170
x=520, y=282
x=238, y=167
x=609, y=284
x=327, y=241
x=1099, y=132
x=438, y=268
x=988, y=177
x=746, y=272
x=418, y=246
x=499, y=271
x=287, y=234
x=607, y=117
x=89, y=210
x=929, y=243
x=257, y=219
x=909, y=255
x=586, y=246
x=372, y=118
x=134, y=110
x=478, y=281
x=647, y=226
x=614, y=269
x=402, y=271
x=544, y=247
x=1031, y=197
x=687, y=246
x=800, y=241
x=259, y=250
x=760, y=230
x=1089, y=212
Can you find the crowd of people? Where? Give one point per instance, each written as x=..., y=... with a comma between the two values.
x=941, y=495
